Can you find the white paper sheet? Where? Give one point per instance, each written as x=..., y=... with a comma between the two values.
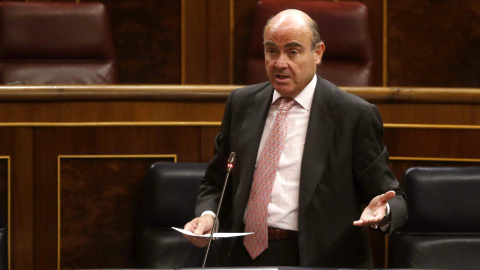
x=216, y=235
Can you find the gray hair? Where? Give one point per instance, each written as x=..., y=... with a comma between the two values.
x=315, y=33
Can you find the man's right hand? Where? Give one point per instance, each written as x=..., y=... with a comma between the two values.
x=199, y=226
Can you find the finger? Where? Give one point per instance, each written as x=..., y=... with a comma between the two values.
x=200, y=228
x=189, y=227
x=388, y=195
x=367, y=221
x=357, y=223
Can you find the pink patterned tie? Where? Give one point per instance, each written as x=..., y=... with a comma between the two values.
x=256, y=216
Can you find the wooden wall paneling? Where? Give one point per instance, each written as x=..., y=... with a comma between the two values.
x=148, y=43
x=206, y=42
x=207, y=143
x=243, y=22
x=100, y=197
x=4, y=189
x=436, y=114
x=147, y=38
x=220, y=40
x=377, y=247
x=194, y=42
x=17, y=143
x=5, y=180
x=376, y=16
x=433, y=43
x=96, y=112
x=51, y=142
x=448, y=143
x=420, y=125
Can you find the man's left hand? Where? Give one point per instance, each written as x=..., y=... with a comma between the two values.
x=375, y=211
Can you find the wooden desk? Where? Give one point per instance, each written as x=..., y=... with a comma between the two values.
x=74, y=156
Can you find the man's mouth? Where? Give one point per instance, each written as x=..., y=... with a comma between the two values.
x=282, y=77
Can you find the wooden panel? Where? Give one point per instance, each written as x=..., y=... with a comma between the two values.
x=207, y=142
x=439, y=114
x=147, y=37
x=219, y=43
x=433, y=143
x=5, y=206
x=52, y=142
x=243, y=14
x=4, y=192
x=99, y=202
x=375, y=12
x=112, y=111
x=195, y=42
x=433, y=43
x=206, y=42
x=17, y=143
x=377, y=247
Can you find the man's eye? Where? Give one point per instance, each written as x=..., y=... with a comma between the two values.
x=293, y=52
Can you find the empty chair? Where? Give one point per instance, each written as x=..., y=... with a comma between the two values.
x=56, y=43
x=170, y=195
x=443, y=228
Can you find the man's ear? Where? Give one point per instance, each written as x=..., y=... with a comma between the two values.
x=319, y=50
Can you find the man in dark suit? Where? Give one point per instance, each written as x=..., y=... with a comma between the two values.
x=332, y=163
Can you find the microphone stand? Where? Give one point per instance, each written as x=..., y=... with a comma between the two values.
x=231, y=161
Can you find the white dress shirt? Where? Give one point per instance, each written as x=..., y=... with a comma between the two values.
x=283, y=206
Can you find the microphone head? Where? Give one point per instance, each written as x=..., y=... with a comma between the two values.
x=231, y=158
x=231, y=161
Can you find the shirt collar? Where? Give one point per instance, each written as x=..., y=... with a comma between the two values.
x=305, y=98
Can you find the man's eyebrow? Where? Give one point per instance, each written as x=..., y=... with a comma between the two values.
x=290, y=44
x=293, y=44
x=269, y=43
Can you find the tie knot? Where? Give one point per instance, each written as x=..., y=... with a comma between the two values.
x=286, y=104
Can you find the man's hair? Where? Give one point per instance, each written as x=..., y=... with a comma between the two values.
x=312, y=24
x=315, y=33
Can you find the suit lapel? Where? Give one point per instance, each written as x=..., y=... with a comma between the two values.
x=249, y=141
x=317, y=141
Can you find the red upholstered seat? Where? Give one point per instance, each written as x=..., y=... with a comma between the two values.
x=345, y=29
x=56, y=43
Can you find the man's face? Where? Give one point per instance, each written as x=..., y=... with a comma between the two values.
x=289, y=60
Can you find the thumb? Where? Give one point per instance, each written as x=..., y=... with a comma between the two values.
x=388, y=195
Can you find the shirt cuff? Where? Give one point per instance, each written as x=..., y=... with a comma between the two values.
x=385, y=227
x=208, y=213
x=212, y=214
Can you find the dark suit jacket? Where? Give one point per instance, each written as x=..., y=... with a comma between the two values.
x=344, y=165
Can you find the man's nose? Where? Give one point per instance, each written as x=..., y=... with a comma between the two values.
x=281, y=62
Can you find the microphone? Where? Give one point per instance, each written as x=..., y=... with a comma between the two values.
x=230, y=163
